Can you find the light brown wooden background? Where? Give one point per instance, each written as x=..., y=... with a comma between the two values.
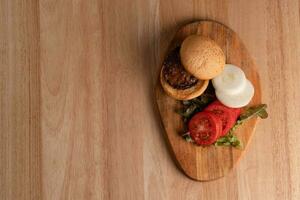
x=78, y=118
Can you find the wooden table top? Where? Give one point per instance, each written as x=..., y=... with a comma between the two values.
x=78, y=119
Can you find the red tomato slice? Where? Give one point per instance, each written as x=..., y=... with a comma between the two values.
x=205, y=128
x=227, y=115
x=237, y=111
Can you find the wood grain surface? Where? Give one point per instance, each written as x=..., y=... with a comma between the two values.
x=77, y=112
x=209, y=163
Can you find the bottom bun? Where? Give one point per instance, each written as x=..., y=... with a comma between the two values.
x=184, y=94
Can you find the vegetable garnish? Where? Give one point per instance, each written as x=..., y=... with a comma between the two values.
x=230, y=139
x=187, y=137
x=190, y=107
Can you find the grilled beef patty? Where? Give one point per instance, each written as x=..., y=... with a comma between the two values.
x=175, y=74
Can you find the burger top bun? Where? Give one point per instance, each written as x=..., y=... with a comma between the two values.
x=202, y=57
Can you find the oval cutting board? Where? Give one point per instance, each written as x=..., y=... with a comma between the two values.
x=208, y=163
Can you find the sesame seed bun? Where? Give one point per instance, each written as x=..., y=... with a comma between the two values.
x=202, y=57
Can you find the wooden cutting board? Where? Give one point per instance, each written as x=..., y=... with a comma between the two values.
x=208, y=163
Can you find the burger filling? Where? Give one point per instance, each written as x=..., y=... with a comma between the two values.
x=174, y=72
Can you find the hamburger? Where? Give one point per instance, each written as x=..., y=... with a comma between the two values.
x=187, y=69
